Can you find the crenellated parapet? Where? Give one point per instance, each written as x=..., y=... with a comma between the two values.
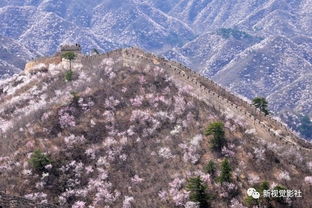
x=215, y=95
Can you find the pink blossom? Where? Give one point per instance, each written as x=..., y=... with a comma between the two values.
x=73, y=140
x=142, y=80
x=89, y=169
x=137, y=101
x=79, y=204
x=124, y=89
x=111, y=102
x=66, y=118
x=163, y=195
x=227, y=152
x=191, y=204
x=127, y=202
x=308, y=180
x=136, y=179
x=86, y=103
x=177, y=183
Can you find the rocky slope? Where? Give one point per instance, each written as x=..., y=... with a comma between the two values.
x=127, y=131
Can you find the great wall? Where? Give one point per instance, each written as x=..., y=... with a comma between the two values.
x=214, y=95
x=211, y=93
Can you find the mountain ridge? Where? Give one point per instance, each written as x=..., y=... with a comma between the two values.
x=132, y=119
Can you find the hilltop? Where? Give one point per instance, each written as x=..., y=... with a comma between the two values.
x=209, y=36
x=128, y=131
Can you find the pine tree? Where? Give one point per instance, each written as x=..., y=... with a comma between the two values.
x=69, y=56
x=262, y=104
x=217, y=130
x=39, y=160
x=211, y=168
x=226, y=172
x=198, y=192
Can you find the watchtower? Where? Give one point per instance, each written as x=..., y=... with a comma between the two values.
x=70, y=48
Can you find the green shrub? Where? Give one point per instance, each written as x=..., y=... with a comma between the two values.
x=39, y=160
x=235, y=33
x=226, y=172
x=211, y=168
x=69, y=75
x=263, y=186
x=250, y=201
x=279, y=199
x=198, y=192
x=217, y=130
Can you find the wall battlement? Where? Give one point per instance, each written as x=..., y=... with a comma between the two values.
x=222, y=99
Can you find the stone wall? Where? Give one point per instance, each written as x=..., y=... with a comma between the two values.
x=41, y=64
x=214, y=95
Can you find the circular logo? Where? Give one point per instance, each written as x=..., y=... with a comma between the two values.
x=256, y=195
x=250, y=191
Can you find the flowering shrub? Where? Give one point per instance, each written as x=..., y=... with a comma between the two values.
x=179, y=105
x=236, y=204
x=203, y=176
x=90, y=152
x=259, y=153
x=142, y=80
x=111, y=102
x=229, y=190
x=177, y=129
x=178, y=195
x=74, y=140
x=127, y=202
x=308, y=180
x=163, y=195
x=66, y=118
x=250, y=131
x=139, y=116
x=136, y=179
x=85, y=103
x=102, y=189
x=284, y=175
x=39, y=196
x=165, y=153
x=79, y=204
x=190, y=153
x=137, y=101
x=227, y=152
x=191, y=204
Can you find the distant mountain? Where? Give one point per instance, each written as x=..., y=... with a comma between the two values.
x=140, y=25
x=12, y=56
x=210, y=52
x=211, y=36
